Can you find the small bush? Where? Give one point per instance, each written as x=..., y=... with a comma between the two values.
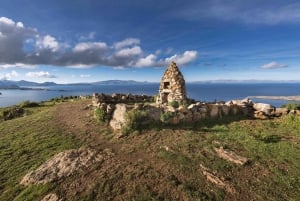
x=135, y=121
x=12, y=113
x=174, y=104
x=292, y=106
x=291, y=122
x=100, y=115
x=29, y=104
x=166, y=116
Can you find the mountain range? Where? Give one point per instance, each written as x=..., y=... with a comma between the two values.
x=9, y=84
x=23, y=84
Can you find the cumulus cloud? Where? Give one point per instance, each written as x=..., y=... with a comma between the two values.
x=90, y=46
x=12, y=39
x=127, y=42
x=9, y=76
x=17, y=65
x=47, y=42
x=136, y=50
x=273, y=65
x=41, y=74
x=149, y=60
x=184, y=58
x=23, y=47
x=181, y=59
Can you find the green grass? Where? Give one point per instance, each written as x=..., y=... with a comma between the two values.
x=25, y=143
x=272, y=146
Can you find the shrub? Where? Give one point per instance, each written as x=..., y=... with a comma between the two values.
x=174, y=104
x=28, y=104
x=100, y=115
x=166, y=116
x=135, y=121
x=292, y=106
x=13, y=112
x=291, y=122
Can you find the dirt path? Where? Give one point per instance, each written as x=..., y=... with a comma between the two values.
x=76, y=119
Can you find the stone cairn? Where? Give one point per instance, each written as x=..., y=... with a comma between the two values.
x=172, y=87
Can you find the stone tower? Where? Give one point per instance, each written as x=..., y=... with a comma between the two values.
x=172, y=86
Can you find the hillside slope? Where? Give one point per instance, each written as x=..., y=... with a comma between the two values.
x=156, y=164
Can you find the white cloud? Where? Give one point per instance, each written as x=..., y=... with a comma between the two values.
x=9, y=76
x=186, y=57
x=127, y=42
x=85, y=76
x=181, y=59
x=24, y=47
x=81, y=47
x=273, y=65
x=7, y=21
x=20, y=24
x=40, y=74
x=47, y=42
x=17, y=65
x=149, y=60
x=136, y=50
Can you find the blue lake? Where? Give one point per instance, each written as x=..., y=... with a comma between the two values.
x=203, y=92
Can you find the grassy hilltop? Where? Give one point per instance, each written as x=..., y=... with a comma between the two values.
x=161, y=163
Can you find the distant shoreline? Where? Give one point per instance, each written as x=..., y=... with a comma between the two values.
x=28, y=88
x=288, y=98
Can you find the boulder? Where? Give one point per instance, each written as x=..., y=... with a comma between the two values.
x=263, y=107
x=51, y=197
x=260, y=115
x=278, y=112
x=231, y=156
x=118, y=119
x=64, y=164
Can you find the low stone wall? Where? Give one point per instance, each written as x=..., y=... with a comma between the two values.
x=116, y=107
x=115, y=98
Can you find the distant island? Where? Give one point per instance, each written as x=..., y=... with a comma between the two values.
x=288, y=98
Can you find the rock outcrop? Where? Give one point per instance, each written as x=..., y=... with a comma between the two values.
x=64, y=164
x=51, y=197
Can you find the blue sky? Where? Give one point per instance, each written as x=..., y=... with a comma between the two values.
x=93, y=40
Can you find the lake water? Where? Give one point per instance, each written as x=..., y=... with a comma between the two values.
x=204, y=92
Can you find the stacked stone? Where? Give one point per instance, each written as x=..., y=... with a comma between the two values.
x=172, y=84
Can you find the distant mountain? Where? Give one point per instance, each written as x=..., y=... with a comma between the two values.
x=7, y=84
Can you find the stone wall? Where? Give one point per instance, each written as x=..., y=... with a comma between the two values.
x=116, y=107
x=99, y=99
